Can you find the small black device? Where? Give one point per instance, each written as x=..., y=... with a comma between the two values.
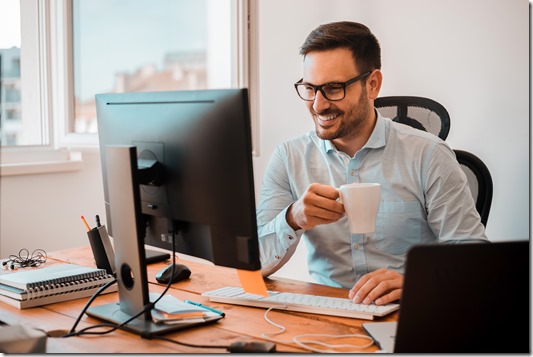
x=181, y=272
x=252, y=347
x=154, y=256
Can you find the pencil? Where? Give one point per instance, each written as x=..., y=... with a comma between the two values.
x=86, y=224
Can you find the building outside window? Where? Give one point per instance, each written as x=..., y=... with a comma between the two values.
x=10, y=110
x=11, y=125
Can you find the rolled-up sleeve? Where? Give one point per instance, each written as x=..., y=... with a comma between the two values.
x=277, y=239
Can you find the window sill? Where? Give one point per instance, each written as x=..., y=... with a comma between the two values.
x=31, y=162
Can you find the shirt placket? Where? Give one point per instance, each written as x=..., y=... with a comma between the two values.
x=357, y=241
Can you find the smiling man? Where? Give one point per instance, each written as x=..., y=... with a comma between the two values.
x=425, y=197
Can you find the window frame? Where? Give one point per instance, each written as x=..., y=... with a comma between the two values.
x=55, y=87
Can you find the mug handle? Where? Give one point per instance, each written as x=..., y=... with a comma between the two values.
x=340, y=196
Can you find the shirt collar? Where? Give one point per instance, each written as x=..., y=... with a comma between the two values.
x=377, y=138
x=375, y=141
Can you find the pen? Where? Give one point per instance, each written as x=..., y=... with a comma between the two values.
x=86, y=224
x=98, y=224
x=205, y=307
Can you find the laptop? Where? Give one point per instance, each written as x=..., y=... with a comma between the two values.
x=463, y=298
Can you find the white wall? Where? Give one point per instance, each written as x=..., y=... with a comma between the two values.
x=470, y=55
x=43, y=211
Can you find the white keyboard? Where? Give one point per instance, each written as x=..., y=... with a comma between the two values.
x=301, y=302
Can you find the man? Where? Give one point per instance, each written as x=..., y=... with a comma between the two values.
x=425, y=197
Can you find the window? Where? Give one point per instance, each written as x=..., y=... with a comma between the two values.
x=146, y=45
x=74, y=49
x=20, y=119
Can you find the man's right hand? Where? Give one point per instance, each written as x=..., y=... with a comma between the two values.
x=318, y=205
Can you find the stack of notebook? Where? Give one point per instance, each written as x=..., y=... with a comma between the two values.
x=41, y=286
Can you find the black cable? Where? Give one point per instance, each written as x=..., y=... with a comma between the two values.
x=24, y=259
x=114, y=327
x=146, y=308
x=163, y=338
x=94, y=296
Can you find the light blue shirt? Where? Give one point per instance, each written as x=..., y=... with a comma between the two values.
x=425, y=198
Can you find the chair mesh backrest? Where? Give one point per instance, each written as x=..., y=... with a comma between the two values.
x=421, y=113
x=472, y=181
x=479, y=180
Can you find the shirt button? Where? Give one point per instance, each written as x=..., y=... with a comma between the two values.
x=357, y=246
x=291, y=237
x=277, y=256
x=352, y=173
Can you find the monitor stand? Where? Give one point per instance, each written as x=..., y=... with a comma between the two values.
x=130, y=259
x=113, y=314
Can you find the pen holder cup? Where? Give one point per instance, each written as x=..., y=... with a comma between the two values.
x=103, y=252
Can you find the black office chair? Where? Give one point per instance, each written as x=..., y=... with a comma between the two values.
x=418, y=112
x=479, y=180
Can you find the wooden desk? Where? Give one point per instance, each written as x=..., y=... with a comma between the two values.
x=240, y=323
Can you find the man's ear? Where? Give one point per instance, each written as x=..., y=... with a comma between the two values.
x=373, y=83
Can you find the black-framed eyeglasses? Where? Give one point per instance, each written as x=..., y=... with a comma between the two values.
x=331, y=91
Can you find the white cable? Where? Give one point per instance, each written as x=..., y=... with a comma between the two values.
x=303, y=344
x=281, y=328
x=306, y=343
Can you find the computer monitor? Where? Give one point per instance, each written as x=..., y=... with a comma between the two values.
x=175, y=164
x=195, y=149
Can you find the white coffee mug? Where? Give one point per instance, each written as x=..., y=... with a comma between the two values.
x=361, y=203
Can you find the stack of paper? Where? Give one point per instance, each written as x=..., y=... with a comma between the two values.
x=171, y=310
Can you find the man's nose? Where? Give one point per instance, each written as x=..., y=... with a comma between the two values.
x=320, y=103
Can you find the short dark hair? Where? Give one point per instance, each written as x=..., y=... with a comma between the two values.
x=346, y=34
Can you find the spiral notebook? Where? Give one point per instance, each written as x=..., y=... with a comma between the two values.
x=52, y=284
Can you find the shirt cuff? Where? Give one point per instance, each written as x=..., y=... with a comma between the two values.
x=286, y=235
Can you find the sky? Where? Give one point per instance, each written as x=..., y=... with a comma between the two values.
x=9, y=19
x=120, y=35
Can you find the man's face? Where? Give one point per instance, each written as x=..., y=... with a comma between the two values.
x=336, y=119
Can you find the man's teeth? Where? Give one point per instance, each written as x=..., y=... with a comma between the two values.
x=327, y=117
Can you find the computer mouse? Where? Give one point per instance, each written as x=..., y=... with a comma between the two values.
x=181, y=272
